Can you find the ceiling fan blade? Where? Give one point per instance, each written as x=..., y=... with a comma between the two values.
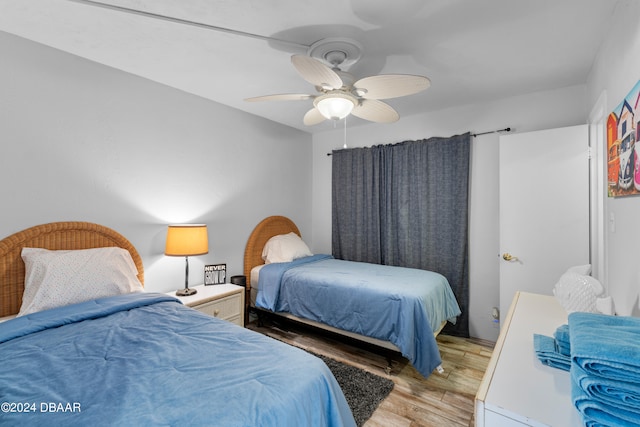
x=313, y=117
x=375, y=111
x=281, y=97
x=316, y=73
x=387, y=86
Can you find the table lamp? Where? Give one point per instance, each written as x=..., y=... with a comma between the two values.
x=187, y=240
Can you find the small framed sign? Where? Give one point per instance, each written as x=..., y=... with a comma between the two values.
x=215, y=274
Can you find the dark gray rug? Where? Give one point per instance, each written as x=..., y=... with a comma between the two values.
x=364, y=391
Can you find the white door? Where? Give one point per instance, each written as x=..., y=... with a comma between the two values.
x=544, y=209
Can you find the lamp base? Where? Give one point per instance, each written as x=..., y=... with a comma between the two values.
x=186, y=292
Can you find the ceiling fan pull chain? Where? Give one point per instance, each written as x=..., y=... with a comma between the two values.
x=345, y=133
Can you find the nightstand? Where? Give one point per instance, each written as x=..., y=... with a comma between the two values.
x=222, y=301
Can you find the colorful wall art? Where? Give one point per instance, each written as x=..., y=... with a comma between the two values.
x=623, y=154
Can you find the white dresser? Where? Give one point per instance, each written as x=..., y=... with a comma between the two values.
x=518, y=390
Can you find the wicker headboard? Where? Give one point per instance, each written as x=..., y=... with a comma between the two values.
x=266, y=229
x=54, y=236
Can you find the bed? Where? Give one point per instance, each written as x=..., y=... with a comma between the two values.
x=138, y=358
x=404, y=311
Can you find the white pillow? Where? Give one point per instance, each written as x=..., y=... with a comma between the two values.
x=284, y=248
x=58, y=278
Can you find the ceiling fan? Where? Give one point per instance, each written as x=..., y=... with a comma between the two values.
x=339, y=94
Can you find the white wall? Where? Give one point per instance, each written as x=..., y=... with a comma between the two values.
x=84, y=142
x=616, y=71
x=542, y=110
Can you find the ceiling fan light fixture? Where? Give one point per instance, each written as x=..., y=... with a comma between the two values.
x=335, y=106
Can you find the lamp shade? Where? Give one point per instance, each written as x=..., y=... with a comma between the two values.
x=335, y=106
x=187, y=240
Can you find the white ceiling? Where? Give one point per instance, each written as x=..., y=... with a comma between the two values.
x=472, y=50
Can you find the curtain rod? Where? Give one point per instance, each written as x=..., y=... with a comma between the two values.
x=478, y=134
x=491, y=131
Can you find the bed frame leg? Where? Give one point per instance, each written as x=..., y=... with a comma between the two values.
x=260, y=318
x=387, y=369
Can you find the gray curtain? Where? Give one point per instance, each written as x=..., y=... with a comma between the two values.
x=406, y=204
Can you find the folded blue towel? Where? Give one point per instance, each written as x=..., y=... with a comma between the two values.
x=597, y=413
x=565, y=350
x=606, y=346
x=619, y=394
x=587, y=422
x=547, y=352
x=561, y=336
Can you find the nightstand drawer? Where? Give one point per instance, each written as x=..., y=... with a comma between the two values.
x=224, y=308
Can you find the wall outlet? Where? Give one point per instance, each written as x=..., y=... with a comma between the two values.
x=495, y=316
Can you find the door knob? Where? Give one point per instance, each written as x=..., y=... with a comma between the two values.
x=508, y=257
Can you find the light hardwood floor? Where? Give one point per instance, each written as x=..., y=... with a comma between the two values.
x=442, y=400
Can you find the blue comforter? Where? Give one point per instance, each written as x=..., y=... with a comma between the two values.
x=145, y=359
x=404, y=306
